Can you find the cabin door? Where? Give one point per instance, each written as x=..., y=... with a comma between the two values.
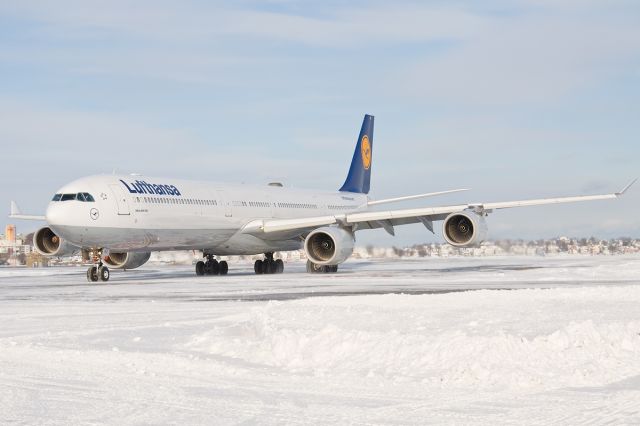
x=121, y=199
x=225, y=204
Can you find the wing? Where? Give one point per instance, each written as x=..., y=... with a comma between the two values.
x=388, y=219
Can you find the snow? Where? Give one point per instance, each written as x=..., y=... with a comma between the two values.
x=380, y=342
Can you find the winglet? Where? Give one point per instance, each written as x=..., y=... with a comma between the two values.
x=15, y=210
x=626, y=188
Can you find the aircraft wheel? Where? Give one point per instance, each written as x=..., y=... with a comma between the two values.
x=92, y=274
x=200, y=268
x=279, y=266
x=313, y=268
x=267, y=266
x=103, y=273
x=223, y=267
x=211, y=267
x=257, y=267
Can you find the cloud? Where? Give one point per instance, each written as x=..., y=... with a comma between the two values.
x=346, y=26
x=57, y=142
x=516, y=99
x=67, y=132
x=530, y=58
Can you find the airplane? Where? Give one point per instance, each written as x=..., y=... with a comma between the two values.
x=118, y=220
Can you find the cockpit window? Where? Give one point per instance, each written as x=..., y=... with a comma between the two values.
x=80, y=196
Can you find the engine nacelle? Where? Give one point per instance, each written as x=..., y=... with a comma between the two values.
x=47, y=243
x=329, y=245
x=464, y=229
x=126, y=260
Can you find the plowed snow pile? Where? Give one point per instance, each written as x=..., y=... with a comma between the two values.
x=159, y=345
x=483, y=339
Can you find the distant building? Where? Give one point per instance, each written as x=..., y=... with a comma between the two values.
x=13, y=249
x=10, y=233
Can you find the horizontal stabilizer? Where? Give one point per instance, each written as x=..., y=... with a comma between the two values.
x=414, y=197
x=17, y=214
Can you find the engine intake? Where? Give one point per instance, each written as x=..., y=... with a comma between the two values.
x=47, y=243
x=329, y=245
x=126, y=260
x=464, y=229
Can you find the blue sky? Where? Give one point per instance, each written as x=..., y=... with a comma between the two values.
x=514, y=99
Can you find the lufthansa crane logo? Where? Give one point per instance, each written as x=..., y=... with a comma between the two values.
x=365, y=148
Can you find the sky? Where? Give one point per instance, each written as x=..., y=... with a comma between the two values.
x=514, y=99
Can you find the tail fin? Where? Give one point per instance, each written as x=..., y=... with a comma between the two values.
x=359, y=175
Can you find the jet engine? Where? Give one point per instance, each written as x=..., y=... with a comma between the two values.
x=126, y=260
x=329, y=245
x=465, y=229
x=47, y=243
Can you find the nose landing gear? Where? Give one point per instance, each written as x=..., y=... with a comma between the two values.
x=269, y=265
x=98, y=271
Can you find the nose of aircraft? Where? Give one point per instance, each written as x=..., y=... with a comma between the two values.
x=56, y=214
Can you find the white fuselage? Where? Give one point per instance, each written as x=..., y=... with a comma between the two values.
x=136, y=213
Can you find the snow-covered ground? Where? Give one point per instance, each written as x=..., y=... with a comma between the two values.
x=379, y=342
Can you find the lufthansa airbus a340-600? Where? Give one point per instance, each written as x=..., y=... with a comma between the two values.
x=118, y=220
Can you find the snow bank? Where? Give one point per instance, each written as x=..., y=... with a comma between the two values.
x=422, y=339
x=159, y=343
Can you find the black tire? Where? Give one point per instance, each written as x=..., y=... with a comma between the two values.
x=200, y=268
x=223, y=268
x=266, y=266
x=103, y=273
x=92, y=274
x=279, y=266
x=257, y=267
x=211, y=267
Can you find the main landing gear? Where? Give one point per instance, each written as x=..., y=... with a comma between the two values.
x=98, y=271
x=211, y=266
x=314, y=268
x=269, y=265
